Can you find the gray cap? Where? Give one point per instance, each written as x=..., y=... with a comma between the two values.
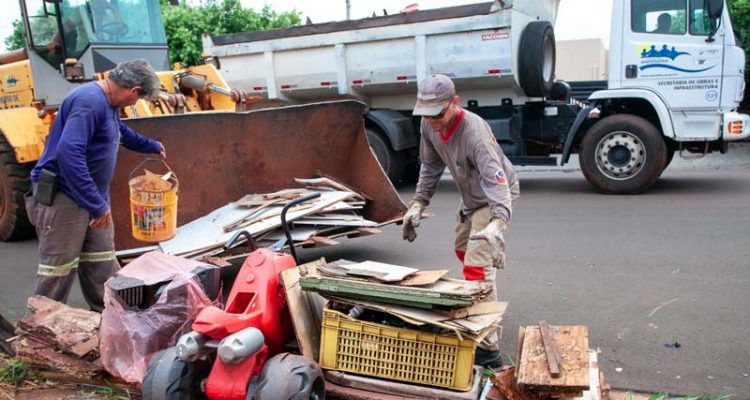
x=433, y=95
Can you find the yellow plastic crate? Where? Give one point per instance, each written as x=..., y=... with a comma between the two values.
x=400, y=354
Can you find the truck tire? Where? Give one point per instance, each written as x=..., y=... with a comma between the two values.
x=390, y=160
x=169, y=378
x=289, y=376
x=622, y=154
x=15, y=181
x=536, y=60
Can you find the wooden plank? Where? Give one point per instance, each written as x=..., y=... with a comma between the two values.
x=573, y=349
x=553, y=360
x=421, y=278
x=304, y=319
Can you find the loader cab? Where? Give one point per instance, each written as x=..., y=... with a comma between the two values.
x=69, y=41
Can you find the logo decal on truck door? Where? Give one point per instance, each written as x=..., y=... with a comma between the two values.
x=670, y=58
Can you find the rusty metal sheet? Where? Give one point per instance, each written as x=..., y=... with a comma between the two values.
x=222, y=156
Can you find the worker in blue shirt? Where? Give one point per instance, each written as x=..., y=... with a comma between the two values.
x=69, y=206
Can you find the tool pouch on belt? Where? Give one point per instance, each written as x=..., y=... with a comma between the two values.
x=46, y=187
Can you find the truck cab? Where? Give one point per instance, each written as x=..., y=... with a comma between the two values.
x=676, y=79
x=693, y=63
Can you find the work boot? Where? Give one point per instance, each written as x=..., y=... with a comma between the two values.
x=488, y=358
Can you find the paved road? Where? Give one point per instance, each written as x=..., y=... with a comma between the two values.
x=642, y=271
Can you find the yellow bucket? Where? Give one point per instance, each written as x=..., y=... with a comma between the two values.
x=153, y=204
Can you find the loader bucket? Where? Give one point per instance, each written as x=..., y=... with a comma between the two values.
x=222, y=156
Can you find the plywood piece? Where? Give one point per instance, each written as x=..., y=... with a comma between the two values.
x=421, y=278
x=380, y=271
x=327, y=183
x=305, y=317
x=207, y=233
x=553, y=360
x=573, y=349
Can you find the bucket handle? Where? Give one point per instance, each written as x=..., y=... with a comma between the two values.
x=151, y=159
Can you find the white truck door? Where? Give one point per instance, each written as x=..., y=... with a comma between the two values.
x=664, y=49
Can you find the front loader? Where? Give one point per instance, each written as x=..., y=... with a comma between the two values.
x=220, y=150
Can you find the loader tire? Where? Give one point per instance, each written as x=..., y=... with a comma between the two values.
x=390, y=160
x=289, y=376
x=169, y=378
x=622, y=154
x=15, y=181
x=536, y=60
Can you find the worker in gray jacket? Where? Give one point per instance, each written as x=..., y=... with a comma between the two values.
x=463, y=141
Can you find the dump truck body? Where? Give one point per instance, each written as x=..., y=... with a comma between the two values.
x=670, y=90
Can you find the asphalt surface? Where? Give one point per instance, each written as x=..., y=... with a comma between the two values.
x=660, y=278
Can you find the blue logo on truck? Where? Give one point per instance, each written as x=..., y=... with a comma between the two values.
x=666, y=58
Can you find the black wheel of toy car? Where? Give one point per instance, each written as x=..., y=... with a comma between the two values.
x=169, y=378
x=289, y=376
x=622, y=154
x=536, y=60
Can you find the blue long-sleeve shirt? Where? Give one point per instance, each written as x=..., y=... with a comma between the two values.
x=82, y=147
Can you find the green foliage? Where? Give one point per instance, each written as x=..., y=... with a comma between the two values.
x=185, y=24
x=15, y=40
x=12, y=371
x=665, y=396
x=740, y=12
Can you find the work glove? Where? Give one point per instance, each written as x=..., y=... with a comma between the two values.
x=493, y=235
x=411, y=220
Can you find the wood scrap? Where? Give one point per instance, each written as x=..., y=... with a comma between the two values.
x=573, y=351
x=505, y=383
x=306, y=319
x=550, y=350
x=60, y=336
x=450, y=293
x=256, y=199
x=381, y=271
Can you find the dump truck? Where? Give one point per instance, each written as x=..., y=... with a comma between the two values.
x=673, y=90
x=219, y=150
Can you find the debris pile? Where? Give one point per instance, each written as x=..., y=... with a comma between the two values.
x=61, y=337
x=392, y=303
x=338, y=212
x=554, y=362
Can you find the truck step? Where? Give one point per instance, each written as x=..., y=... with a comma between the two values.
x=533, y=160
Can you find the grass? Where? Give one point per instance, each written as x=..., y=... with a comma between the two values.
x=665, y=396
x=105, y=393
x=13, y=372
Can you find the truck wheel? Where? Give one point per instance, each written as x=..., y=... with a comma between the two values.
x=622, y=154
x=169, y=378
x=389, y=160
x=289, y=376
x=536, y=61
x=15, y=181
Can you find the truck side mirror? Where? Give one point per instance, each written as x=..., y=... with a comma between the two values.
x=714, y=8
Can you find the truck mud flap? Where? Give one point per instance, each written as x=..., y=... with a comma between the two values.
x=221, y=156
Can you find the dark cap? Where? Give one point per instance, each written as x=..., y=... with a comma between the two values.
x=433, y=95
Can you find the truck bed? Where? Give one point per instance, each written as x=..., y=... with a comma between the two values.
x=366, y=23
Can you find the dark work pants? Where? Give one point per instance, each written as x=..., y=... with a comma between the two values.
x=68, y=246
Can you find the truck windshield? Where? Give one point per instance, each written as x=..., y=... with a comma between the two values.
x=111, y=22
